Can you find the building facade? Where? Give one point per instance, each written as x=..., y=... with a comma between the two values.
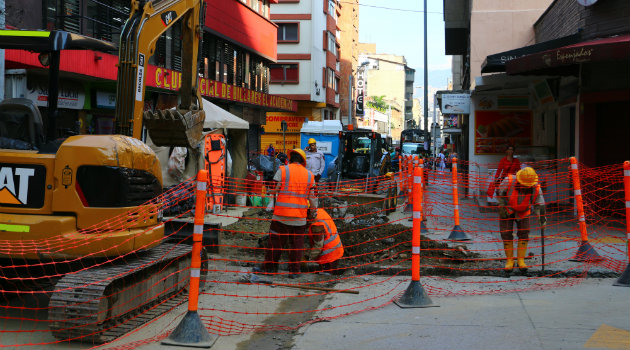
x=349, y=57
x=308, y=67
x=239, y=44
x=388, y=77
x=558, y=93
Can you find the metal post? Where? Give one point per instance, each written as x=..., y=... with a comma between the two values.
x=426, y=76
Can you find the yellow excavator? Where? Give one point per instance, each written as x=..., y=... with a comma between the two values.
x=82, y=202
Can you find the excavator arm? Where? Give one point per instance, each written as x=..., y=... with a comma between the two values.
x=147, y=21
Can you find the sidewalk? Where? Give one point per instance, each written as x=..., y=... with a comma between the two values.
x=593, y=314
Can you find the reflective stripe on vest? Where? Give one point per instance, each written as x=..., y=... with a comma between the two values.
x=332, y=248
x=295, y=185
x=522, y=208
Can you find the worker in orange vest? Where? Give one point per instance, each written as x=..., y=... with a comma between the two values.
x=516, y=198
x=326, y=247
x=294, y=204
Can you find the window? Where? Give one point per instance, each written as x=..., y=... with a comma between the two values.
x=288, y=32
x=332, y=43
x=330, y=78
x=331, y=8
x=284, y=73
x=255, y=5
x=336, y=85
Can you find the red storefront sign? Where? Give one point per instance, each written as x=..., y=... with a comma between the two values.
x=84, y=62
x=172, y=80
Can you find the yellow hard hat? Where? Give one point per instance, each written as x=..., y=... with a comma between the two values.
x=300, y=152
x=311, y=140
x=527, y=177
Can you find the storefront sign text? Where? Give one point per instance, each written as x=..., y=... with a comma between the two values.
x=70, y=96
x=172, y=80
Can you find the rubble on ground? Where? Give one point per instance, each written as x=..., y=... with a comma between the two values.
x=367, y=235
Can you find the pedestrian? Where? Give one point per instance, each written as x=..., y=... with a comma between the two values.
x=442, y=164
x=315, y=160
x=516, y=198
x=271, y=152
x=326, y=247
x=508, y=165
x=295, y=203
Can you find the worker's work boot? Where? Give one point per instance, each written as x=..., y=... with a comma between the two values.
x=509, y=254
x=520, y=253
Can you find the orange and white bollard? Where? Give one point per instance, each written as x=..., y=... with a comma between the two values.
x=457, y=234
x=415, y=295
x=624, y=279
x=585, y=252
x=191, y=332
x=409, y=187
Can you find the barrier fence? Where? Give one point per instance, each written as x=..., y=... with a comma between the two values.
x=88, y=286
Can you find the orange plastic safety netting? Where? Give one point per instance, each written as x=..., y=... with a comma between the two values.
x=372, y=216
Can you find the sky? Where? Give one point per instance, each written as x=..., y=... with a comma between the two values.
x=401, y=33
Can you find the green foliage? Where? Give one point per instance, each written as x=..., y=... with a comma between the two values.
x=378, y=103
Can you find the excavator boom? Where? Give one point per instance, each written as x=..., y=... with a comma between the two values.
x=148, y=20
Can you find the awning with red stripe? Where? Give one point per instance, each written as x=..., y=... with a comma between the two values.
x=560, y=61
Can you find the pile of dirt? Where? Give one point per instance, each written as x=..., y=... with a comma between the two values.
x=369, y=238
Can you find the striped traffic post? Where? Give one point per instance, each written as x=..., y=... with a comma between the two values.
x=409, y=171
x=191, y=332
x=624, y=279
x=457, y=234
x=415, y=295
x=585, y=252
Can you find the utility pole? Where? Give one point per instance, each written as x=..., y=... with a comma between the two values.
x=426, y=79
x=2, y=26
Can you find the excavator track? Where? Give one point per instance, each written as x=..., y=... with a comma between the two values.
x=171, y=127
x=100, y=304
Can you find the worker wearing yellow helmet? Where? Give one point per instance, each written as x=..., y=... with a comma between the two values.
x=294, y=204
x=315, y=160
x=516, y=197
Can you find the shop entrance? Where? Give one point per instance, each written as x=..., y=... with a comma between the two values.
x=613, y=128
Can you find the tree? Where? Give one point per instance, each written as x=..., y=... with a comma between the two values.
x=378, y=103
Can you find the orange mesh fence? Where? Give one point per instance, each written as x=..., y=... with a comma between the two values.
x=114, y=289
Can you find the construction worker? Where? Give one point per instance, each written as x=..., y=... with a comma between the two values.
x=326, y=247
x=515, y=197
x=294, y=204
x=315, y=161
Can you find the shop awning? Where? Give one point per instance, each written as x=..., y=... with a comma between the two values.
x=219, y=118
x=565, y=60
x=496, y=62
x=56, y=40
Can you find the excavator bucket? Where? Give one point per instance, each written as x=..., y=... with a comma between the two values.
x=173, y=127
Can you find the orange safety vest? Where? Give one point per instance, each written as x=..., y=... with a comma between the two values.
x=295, y=185
x=523, y=207
x=332, y=249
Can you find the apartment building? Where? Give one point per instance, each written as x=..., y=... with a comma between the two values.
x=349, y=55
x=388, y=76
x=308, y=67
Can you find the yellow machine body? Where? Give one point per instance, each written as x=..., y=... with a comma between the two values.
x=62, y=224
